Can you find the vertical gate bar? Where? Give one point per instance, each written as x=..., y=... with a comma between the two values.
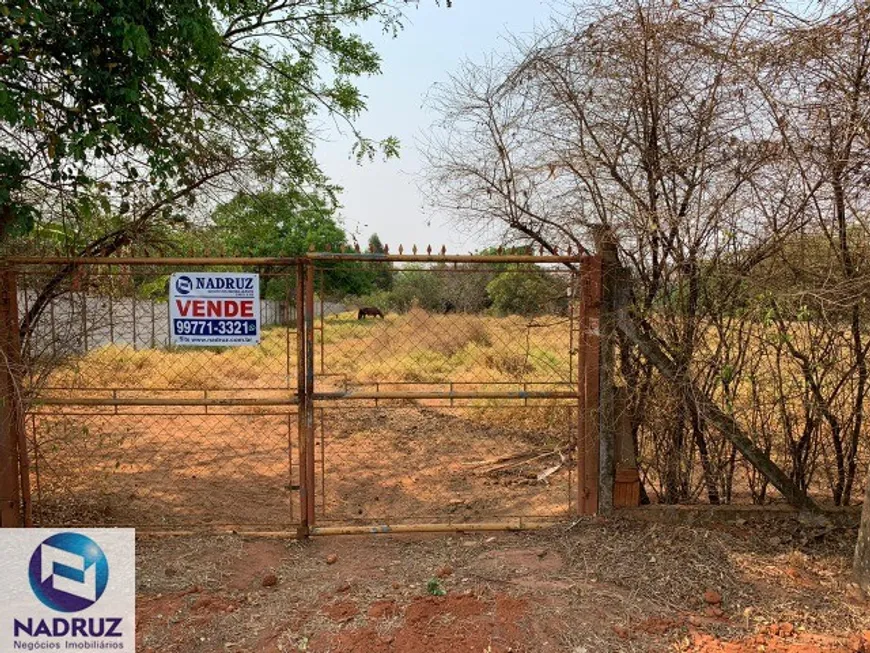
x=322, y=327
x=111, y=307
x=36, y=465
x=133, y=316
x=309, y=387
x=153, y=320
x=85, y=318
x=290, y=461
x=14, y=461
x=583, y=324
x=10, y=488
x=593, y=383
x=322, y=464
x=285, y=320
x=301, y=395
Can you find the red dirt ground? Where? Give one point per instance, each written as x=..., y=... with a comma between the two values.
x=599, y=586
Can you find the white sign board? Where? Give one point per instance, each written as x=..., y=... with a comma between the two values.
x=214, y=309
x=68, y=589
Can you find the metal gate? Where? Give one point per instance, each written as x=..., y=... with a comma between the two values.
x=462, y=403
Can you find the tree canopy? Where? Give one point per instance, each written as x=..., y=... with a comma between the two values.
x=125, y=108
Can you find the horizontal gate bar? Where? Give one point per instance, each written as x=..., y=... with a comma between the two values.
x=520, y=394
x=440, y=258
x=159, y=401
x=518, y=525
x=120, y=260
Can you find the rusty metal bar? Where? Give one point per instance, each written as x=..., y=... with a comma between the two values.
x=583, y=325
x=285, y=261
x=111, y=316
x=14, y=457
x=518, y=525
x=440, y=258
x=156, y=261
x=309, y=389
x=301, y=395
x=133, y=316
x=160, y=401
x=290, y=461
x=350, y=394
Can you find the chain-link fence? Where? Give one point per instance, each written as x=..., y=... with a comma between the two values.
x=381, y=390
x=447, y=392
x=126, y=428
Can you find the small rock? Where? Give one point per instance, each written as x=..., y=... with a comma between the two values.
x=774, y=541
x=786, y=629
x=444, y=572
x=270, y=580
x=342, y=587
x=542, y=553
x=331, y=559
x=170, y=572
x=712, y=597
x=396, y=586
x=773, y=629
x=714, y=611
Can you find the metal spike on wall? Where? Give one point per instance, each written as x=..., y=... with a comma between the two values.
x=343, y=248
x=500, y=250
x=570, y=252
x=328, y=247
x=386, y=249
x=429, y=250
x=443, y=250
x=401, y=250
x=311, y=247
x=414, y=250
x=541, y=250
x=356, y=247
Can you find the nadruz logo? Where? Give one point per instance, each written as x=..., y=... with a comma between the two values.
x=68, y=573
x=183, y=285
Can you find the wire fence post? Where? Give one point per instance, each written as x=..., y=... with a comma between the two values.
x=14, y=488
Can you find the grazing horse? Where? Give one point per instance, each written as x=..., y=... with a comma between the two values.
x=369, y=311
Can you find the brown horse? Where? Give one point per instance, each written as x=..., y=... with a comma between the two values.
x=369, y=311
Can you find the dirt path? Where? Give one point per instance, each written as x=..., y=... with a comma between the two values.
x=614, y=586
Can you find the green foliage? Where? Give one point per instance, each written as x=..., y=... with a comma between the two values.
x=526, y=290
x=119, y=107
x=434, y=587
x=288, y=223
x=381, y=273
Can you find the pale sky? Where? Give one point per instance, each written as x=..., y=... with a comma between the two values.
x=384, y=197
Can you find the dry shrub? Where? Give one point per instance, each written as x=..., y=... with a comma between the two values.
x=513, y=365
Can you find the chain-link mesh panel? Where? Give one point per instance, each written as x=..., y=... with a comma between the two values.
x=107, y=328
x=126, y=428
x=427, y=461
x=164, y=469
x=473, y=324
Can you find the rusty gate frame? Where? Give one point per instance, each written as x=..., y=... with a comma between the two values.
x=594, y=455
